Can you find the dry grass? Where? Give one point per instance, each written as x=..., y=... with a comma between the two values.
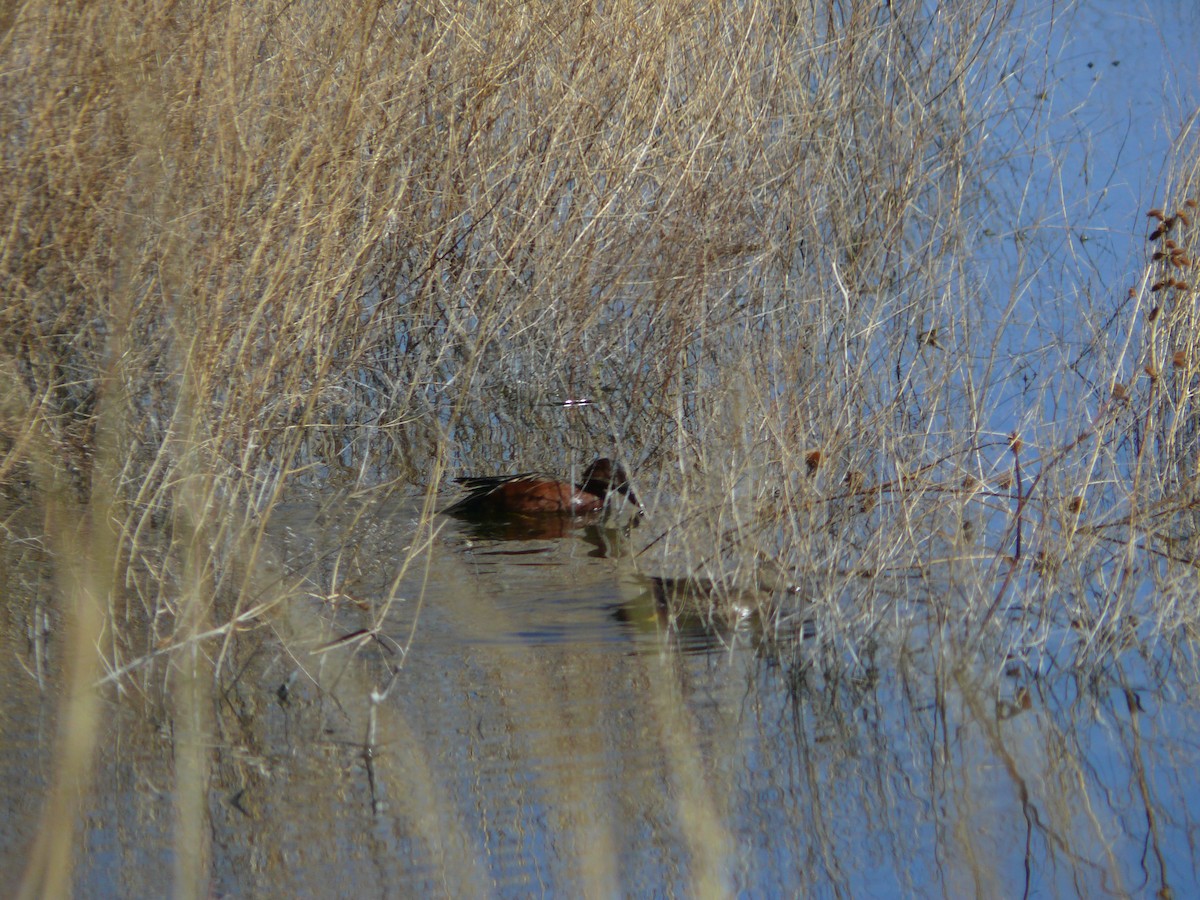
x=252, y=251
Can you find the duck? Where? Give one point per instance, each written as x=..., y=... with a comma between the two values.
x=768, y=599
x=533, y=494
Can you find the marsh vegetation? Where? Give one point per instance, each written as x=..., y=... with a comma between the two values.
x=774, y=257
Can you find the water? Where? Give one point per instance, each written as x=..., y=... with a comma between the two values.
x=533, y=739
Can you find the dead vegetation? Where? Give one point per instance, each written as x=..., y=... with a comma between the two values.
x=255, y=250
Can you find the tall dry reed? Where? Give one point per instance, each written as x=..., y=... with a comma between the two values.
x=253, y=250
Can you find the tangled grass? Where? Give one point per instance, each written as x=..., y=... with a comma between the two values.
x=254, y=251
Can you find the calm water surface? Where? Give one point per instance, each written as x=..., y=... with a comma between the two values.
x=534, y=740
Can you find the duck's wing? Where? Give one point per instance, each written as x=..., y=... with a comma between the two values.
x=483, y=483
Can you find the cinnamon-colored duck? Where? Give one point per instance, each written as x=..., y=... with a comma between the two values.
x=531, y=494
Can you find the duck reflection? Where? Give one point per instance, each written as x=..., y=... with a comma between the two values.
x=604, y=541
